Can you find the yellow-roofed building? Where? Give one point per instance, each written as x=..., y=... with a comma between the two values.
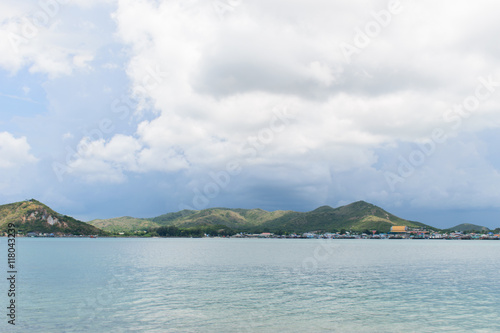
x=399, y=228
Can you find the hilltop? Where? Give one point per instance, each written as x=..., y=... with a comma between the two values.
x=33, y=216
x=358, y=216
x=468, y=227
x=123, y=224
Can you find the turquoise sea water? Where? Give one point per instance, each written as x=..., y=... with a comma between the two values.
x=254, y=285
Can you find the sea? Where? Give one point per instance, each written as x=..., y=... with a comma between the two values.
x=252, y=285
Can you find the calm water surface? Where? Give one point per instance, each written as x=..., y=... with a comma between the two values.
x=255, y=285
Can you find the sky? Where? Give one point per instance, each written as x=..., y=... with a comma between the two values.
x=138, y=108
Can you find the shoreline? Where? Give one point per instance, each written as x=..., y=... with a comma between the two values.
x=284, y=238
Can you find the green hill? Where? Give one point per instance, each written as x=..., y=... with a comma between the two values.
x=33, y=216
x=358, y=216
x=237, y=219
x=170, y=218
x=468, y=227
x=124, y=224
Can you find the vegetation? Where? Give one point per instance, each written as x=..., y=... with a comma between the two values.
x=358, y=216
x=124, y=224
x=166, y=219
x=32, y=216
x=212, y=230
x=469, y=228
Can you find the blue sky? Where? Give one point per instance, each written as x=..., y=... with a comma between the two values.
x=113, y=108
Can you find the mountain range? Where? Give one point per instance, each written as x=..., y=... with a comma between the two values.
x=34, y=216
x=358, y=216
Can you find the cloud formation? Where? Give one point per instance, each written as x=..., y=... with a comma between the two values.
x=14, y=153
x=47, y=37
x=314, y=102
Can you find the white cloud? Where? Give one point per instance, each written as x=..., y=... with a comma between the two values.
x=98, y=161
x=110, y=66
x=14, y=152
x=216, y=81
x=47, y=37
x=97, y=171
x=82, y=60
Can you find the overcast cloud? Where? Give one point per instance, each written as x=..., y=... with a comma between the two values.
x=139, y=108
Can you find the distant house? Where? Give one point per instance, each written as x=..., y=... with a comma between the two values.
x=399, y=229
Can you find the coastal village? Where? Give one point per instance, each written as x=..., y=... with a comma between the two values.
x=397, y=232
